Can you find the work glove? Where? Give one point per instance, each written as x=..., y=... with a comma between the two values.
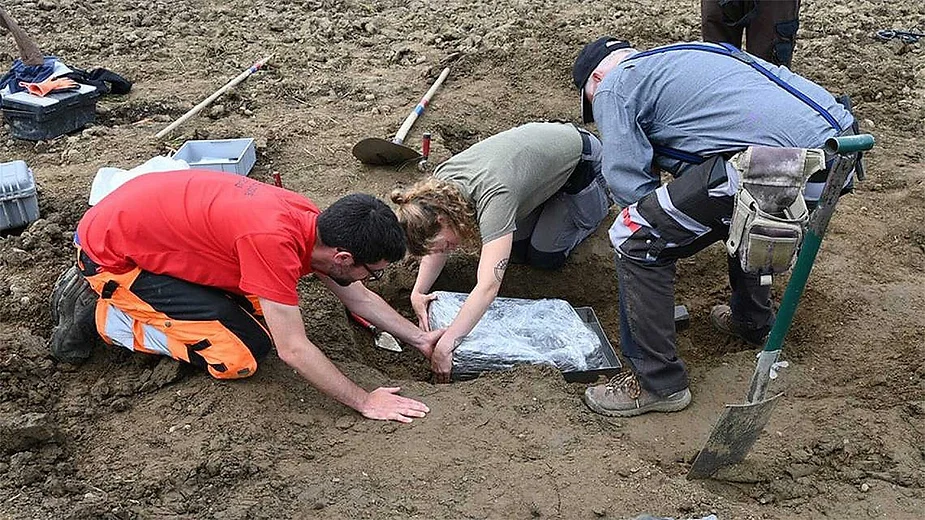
x=49, y=85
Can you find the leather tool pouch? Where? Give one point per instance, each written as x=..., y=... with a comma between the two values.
x=770, y=215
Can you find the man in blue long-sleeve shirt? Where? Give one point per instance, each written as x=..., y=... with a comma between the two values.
x=685, y=109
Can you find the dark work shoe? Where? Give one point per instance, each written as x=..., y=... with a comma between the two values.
x=721, y=318
x=623, y=397
x=73, y=306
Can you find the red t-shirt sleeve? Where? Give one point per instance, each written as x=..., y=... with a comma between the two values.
x=270, y=267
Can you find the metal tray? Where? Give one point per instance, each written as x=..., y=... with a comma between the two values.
x=612, y=364
x=610, y=368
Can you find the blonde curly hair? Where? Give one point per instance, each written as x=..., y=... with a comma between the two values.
x=422, y=204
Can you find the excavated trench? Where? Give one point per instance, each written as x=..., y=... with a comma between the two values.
x=587, y=280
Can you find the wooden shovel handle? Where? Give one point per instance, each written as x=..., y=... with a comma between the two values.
x=418, y=110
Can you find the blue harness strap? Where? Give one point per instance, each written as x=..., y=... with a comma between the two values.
x=726, y=49
x=679, y=155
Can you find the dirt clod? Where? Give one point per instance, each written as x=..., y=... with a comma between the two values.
x=21, y=432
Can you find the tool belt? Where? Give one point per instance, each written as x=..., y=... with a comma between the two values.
x=769, y=214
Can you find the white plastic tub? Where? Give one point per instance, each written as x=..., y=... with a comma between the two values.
x=224, y=155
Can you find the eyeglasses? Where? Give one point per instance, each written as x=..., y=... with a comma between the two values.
x=374, y=274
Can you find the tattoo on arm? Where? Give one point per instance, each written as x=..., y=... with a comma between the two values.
x=499, y=270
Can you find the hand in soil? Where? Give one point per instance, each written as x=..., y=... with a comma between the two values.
x=384, y=404
x=420, y=303
x=441, y=363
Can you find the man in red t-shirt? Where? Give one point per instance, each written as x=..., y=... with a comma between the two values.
x=202, y=266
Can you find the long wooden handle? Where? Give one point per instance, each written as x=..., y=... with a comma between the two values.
x=28, y=50
x=418, y=110
x=196, y=109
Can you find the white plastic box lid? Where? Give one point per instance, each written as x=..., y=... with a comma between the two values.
x=53, y=98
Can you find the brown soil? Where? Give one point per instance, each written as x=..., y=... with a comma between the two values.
x=126, y=436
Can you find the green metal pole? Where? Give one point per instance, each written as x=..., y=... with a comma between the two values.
x=812, y=241
x=788, y=304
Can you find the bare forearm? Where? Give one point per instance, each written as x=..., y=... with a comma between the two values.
x=314, y=366
x=492, y=265
x=430, y=268
x=360, y=300
x=382, y=315
x=473, y=309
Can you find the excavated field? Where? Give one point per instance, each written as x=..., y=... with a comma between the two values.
x=130, y=437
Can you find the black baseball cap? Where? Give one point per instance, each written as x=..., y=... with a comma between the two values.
x=588, y=60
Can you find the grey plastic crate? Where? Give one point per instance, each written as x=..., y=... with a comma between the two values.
x=224, y=155
x=19, y=205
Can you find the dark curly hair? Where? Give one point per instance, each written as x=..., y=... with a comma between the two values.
x=365, y=226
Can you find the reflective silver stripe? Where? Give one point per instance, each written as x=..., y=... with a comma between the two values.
x=688, y=223
x=155, y=340
x=119, y=328
x=619, y=231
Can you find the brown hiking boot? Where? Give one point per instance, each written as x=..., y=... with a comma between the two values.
x=623, y=397
x=73, y=305
x=721, y=318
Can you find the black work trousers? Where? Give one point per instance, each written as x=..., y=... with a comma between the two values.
x=681, y=218
x=770, y=26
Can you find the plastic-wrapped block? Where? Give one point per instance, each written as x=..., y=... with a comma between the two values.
x=19, y=204
x=517, y=331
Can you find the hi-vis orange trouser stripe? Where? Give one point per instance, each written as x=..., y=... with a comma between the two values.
x=159, y=314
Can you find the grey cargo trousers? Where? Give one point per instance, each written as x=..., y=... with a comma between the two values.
x=546, y=236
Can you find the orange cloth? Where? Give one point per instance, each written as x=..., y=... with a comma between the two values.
x=49, y=85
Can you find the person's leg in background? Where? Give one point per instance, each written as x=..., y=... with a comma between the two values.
x=565, y=221
x=647, y=330
x=772, y=34
x=657, y=380
x=749, y=315
x=716, y=26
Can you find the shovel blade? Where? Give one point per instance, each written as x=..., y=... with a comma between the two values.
x=376, y=151
x=733, y=436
